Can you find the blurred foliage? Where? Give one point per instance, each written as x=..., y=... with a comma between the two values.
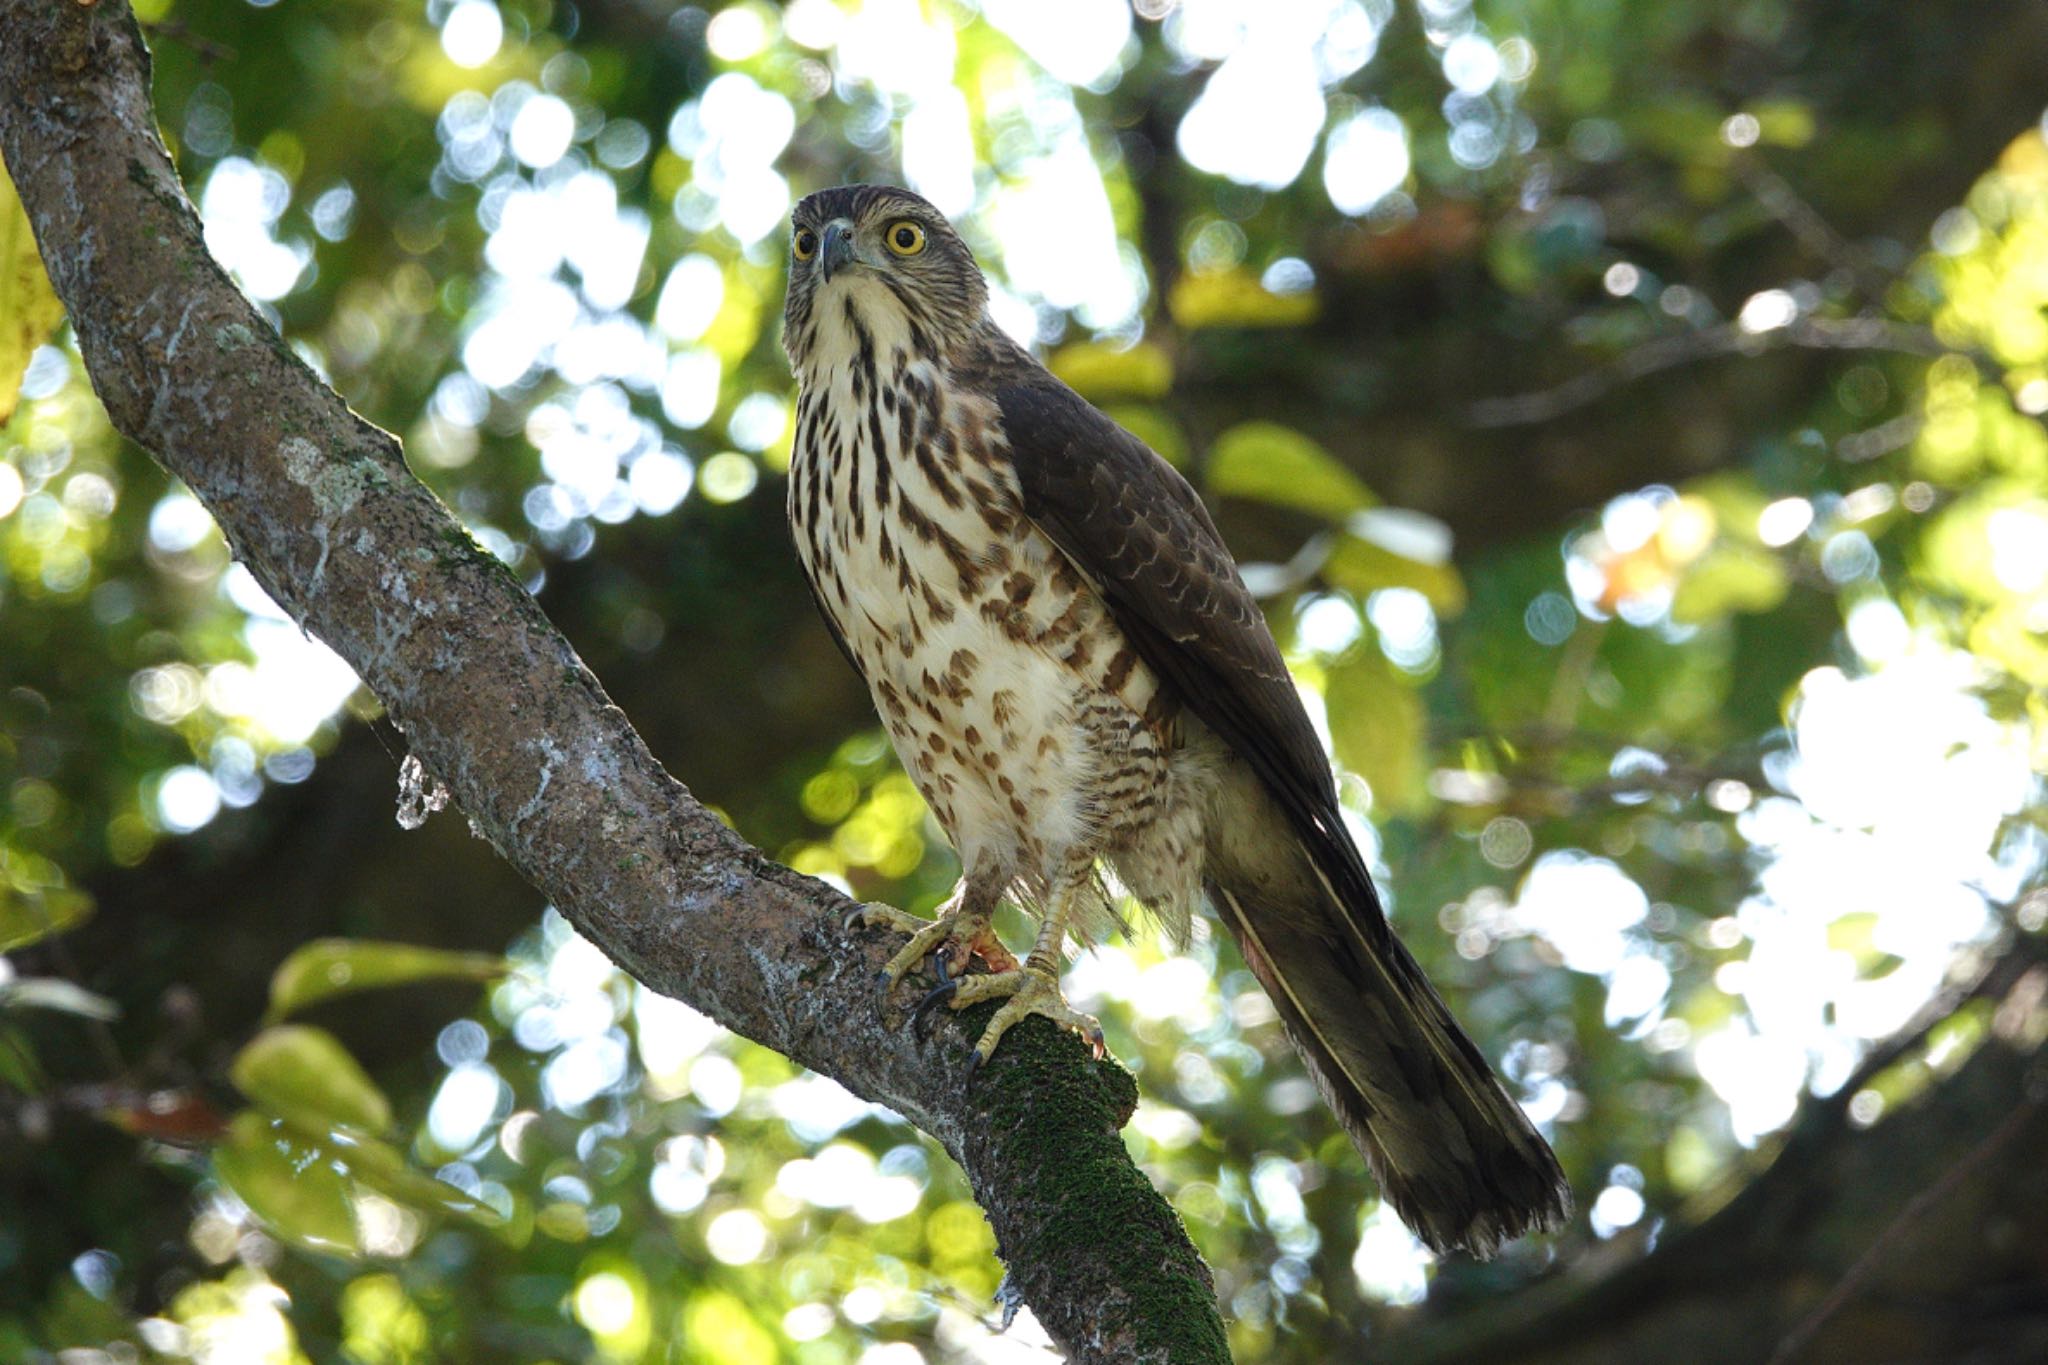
x=27, y=302
x=1711, y=753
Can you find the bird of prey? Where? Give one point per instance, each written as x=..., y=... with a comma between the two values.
x=1074, y=675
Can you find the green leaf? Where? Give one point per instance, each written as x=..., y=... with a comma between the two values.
x=1364, y=564
x=2010, y=636
x=1855, y=934
x=1512, y=259
x=29, y=915
x=302, y=1182
x=1685, y=126
x=1098, y=370
x=723, y=1331
x=29, y=310
x=1376, y=728
x=1269, y=463
x=1852, y=933
x=1783, y=123
x=19, y=1069
x=329, y=967
x=1735, y=502
x=302, y=1073
x=1236, y=298
x=290, y=1181
x=1731, y=577
x=383, y=1168
x=53, y=993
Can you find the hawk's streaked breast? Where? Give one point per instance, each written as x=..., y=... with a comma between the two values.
x=1018, y=707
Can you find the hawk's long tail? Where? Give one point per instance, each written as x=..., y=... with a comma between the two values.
x=1453, y=1154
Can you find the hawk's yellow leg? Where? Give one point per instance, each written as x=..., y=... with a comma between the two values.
x=1032, y=989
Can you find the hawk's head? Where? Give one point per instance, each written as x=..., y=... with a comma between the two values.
x=874, y=267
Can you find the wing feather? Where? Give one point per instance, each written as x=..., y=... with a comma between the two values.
x=1134, y=526
x=832, y=626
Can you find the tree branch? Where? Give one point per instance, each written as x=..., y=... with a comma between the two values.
x=320, y=506
x=1685, y=348
x=1858, y=1276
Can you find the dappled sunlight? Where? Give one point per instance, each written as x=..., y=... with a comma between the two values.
x=241, y=205
x=1688, y=799
x=1389, y=1263
x=238, y=1321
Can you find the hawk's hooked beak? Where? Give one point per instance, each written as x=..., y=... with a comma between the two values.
x=835, y=251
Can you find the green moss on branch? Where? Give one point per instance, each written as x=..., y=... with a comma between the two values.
x=1049, y=1136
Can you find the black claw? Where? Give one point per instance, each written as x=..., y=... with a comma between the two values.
x=974, y=1061
x=933, y=998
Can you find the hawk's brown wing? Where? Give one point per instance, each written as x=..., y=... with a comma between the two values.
x=1130, y=522
x=1456, y=1157
x=832, y=627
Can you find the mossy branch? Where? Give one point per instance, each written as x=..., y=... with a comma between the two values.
x=321, y=507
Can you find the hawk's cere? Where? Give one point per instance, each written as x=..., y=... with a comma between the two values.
x=1074, y=674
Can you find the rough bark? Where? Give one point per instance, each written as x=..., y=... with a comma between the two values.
x=321, y=507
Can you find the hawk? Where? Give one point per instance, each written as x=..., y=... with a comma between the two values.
x=1075, y=676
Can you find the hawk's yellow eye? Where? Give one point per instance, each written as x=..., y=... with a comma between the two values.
x=905, y=238
x=804, y=244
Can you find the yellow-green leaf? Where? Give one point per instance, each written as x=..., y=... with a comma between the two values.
x=28, y=916
x=1731, y=577
x=298, y=1072
x=1783, y=123
x=1734, y=501
x=329, y=967
x=427, y=78
x=1235, y=298
x=1376, y=728
x=382, y=1167
x=1363, y=567
x=722, y=1331
x=1098, y=370
x=1273, y=464
x=1852, y=933
x=19, y=1069
x=1688, y=127
x=29, y=310
x=288, y=1180
x=2010, y=636
x=1956, y=549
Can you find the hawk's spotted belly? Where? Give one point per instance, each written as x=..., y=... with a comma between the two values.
x=1036, y=734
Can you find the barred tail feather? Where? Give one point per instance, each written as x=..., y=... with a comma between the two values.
x=1453, y=1154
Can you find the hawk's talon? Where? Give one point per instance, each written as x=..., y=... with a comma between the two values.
x=952, y=942
x=1032, y=989
x=875, y=915
x=937, y=995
